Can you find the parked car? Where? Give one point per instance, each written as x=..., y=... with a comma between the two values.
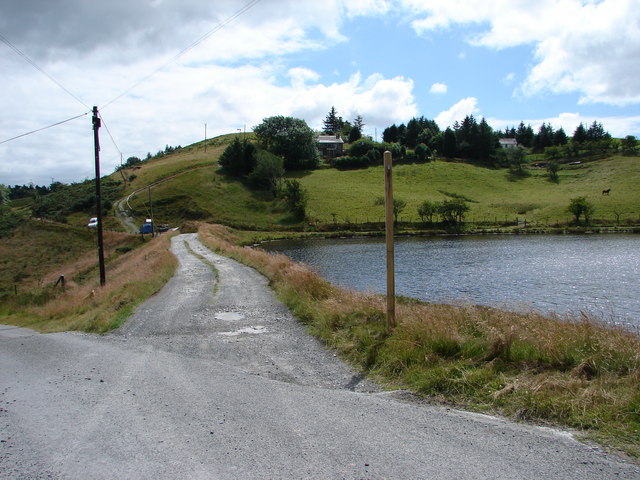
x=93, y=222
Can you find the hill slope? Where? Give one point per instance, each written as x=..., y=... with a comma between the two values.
x=347, y=197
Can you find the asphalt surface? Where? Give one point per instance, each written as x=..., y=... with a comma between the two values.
x=212, y=378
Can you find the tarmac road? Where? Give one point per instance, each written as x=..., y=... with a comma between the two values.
x=213, y=379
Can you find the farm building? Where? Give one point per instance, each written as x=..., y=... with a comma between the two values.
x=330, y=146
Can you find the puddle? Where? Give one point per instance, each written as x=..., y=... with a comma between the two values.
x=250, y=330
x=229, y=316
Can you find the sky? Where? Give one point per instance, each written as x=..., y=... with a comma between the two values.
x=160, y=70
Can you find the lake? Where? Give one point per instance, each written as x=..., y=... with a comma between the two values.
x=598, y=274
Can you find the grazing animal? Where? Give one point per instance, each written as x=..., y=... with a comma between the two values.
x=606, y=192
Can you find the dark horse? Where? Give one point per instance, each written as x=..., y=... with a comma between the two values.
x=606, y=192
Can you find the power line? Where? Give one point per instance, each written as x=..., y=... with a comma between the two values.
x=104, y=124
x=197, y=42
x=35, y=65
x=44, y=128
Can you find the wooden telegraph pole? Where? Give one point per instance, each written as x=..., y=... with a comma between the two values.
x=153, y=227
x=388, y=202
x=96, y=143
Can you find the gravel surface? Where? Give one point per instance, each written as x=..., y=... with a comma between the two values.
x=212, y=378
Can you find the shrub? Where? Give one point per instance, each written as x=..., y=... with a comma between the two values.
x=347, y=162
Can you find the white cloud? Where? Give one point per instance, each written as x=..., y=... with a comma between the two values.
x=509, y=78
x=300, y=76
x=438, y=88
x=585, y=46
x=466, y=106
x=246, y=70
x=223, y=96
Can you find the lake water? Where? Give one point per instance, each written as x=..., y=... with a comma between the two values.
x=598, y=274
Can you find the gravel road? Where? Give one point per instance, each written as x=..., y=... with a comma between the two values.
x=212, y=378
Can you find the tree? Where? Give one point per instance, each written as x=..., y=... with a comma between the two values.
x=422, y=152
x=524, y=135
x=290, y=138
x=544, y=138
x=580, y=134
x=398, y=207
x=414, y=127
x=466, y=136
x=580, y=207
x=426, y=211
x=332, y=122
x=390, y=134
x=453, y=211
x=486, y=141
x=239, y=158
x=560, y=138
x=629, y=145
x=449, y=143
x=516, y=159
x=358, y=122
x=552, y=168
x=131, y=161
x=268, y=172
x=296, y=197
x=355, y=134
x=597, y=132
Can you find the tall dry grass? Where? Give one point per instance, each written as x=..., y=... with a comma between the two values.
x=568, y=371
x=131, y=278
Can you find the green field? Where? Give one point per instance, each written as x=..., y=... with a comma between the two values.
x=492, y=194
x=348, y=196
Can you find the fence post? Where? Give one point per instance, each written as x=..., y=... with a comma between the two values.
x=391, y=289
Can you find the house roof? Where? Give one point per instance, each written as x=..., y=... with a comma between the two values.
x=508, y=141
x=329, y=139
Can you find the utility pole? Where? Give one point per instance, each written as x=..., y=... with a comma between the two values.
x=205, y=138
x=96, y=142
x=153, y=227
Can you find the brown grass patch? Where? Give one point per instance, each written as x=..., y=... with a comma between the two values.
x=569, y=371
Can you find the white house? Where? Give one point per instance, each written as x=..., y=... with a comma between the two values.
x=508, y=142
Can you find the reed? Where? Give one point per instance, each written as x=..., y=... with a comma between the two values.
x=570, y=371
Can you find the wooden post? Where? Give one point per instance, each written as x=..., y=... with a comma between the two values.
x=153, y=227
x=388, y=202
x=96, y=143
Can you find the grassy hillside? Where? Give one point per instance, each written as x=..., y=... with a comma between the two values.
x=335, y=196
x=38, y=252
x=491, y=194
x=184, y=159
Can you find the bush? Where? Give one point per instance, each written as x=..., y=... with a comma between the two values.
x=295, y=197
x=268, y=172
x=422, y=152
x=239, y=158
x=348, y=162
x=361, y=147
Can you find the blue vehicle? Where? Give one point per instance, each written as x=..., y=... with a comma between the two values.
x=146, y=227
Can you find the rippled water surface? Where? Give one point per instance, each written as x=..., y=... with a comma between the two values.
x=564, y=273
